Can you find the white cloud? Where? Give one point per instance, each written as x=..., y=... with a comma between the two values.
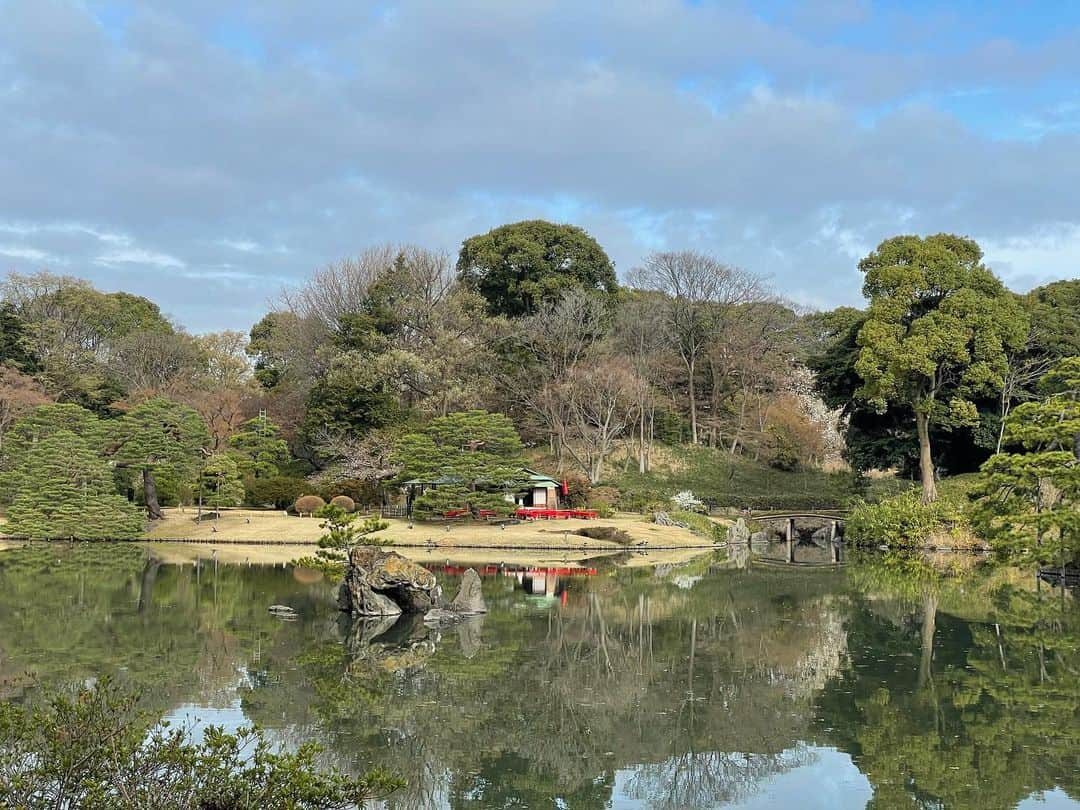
x=139, y=256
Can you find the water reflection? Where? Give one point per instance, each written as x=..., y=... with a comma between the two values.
x=713, y=683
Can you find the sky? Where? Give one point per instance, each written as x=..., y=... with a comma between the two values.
x=208, y=153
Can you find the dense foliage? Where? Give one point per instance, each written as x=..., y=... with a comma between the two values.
x=1031, y=493
x=96, y=749
x=402, y=363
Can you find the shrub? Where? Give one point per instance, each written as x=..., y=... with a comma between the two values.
x=700, y=524
x=343, y=502
x=578, y=491
x=309, y=504
x=95, y=749
x=685, y=501
x=605, y=533
x=903, y=520
x=281, y=491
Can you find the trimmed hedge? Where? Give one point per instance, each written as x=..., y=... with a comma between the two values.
x=309, y=504
x=343, y=502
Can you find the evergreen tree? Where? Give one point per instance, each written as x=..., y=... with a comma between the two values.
x=159, y=434
x=66, y=489
x=1031, y=498
x=219, y=482
x=939, y=323
x=258, y=449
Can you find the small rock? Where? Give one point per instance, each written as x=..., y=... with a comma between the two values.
x=738, y=532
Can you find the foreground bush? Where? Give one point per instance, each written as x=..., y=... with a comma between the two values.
x=96, y=750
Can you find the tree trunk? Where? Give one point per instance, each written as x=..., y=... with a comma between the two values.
x=146, y=583
x=153, y=508
x=926, y=463
x=692, y=392
x=641, y=442
x=929, y=621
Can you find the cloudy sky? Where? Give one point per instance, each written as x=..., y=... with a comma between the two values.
x=206, y=152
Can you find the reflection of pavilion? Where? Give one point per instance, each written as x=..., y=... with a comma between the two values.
x=549, y=582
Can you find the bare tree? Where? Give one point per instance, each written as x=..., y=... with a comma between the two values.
x=340, y=288
x=549, y=344
x=694, y=285
x=639, y=337
x=602, y=397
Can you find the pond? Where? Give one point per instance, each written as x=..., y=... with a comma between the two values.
x=594, y=683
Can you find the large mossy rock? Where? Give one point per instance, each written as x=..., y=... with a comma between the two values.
x=382, y=583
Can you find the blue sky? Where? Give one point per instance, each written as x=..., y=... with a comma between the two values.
x=208, y=154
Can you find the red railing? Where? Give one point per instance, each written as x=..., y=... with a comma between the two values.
x=543, y=513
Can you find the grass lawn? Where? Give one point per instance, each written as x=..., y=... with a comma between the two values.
x=729, y=481
x=252, y=526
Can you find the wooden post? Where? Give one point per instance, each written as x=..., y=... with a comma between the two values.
x=832, y=532
x=790, y=529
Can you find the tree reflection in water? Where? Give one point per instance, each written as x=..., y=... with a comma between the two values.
x=682, y=686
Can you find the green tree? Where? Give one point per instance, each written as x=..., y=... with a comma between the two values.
x=342, y=533
x=97, y=749
x=159, y=434
x=939, y=320
x=1055, y=317
x=15, y=342
x=1031, y=498
x=258, y=448
x=474, y=447
x=219, y=482
x=38, y=425
x=517, y=267
x=66, y=489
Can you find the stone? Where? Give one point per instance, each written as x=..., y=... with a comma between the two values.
x=759, y=538
x=468, y=602
x=738, y=532
x=470, y=597
x=664, y=519
x=382, y=583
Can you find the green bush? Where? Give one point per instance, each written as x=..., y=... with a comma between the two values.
x=96, y=750
x=903, y=520
x=281, y=491
x=700, y=524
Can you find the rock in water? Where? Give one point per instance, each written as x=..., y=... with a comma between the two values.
x=381, y=583
x=470, y=598
x=468, y=602
x=738, y=532
x=759, y=538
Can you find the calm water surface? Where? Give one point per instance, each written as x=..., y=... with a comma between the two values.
x=708, y=684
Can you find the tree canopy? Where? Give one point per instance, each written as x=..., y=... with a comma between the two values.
x=66, y=489
x=937, y=317
x=518, y=267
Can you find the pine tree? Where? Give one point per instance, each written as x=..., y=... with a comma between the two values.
x=66, y=490
x=219, y=482
x=159, y=434
x=1031, y=498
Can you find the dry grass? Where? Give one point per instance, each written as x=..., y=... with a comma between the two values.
x=240, y=554
x=243, y=526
